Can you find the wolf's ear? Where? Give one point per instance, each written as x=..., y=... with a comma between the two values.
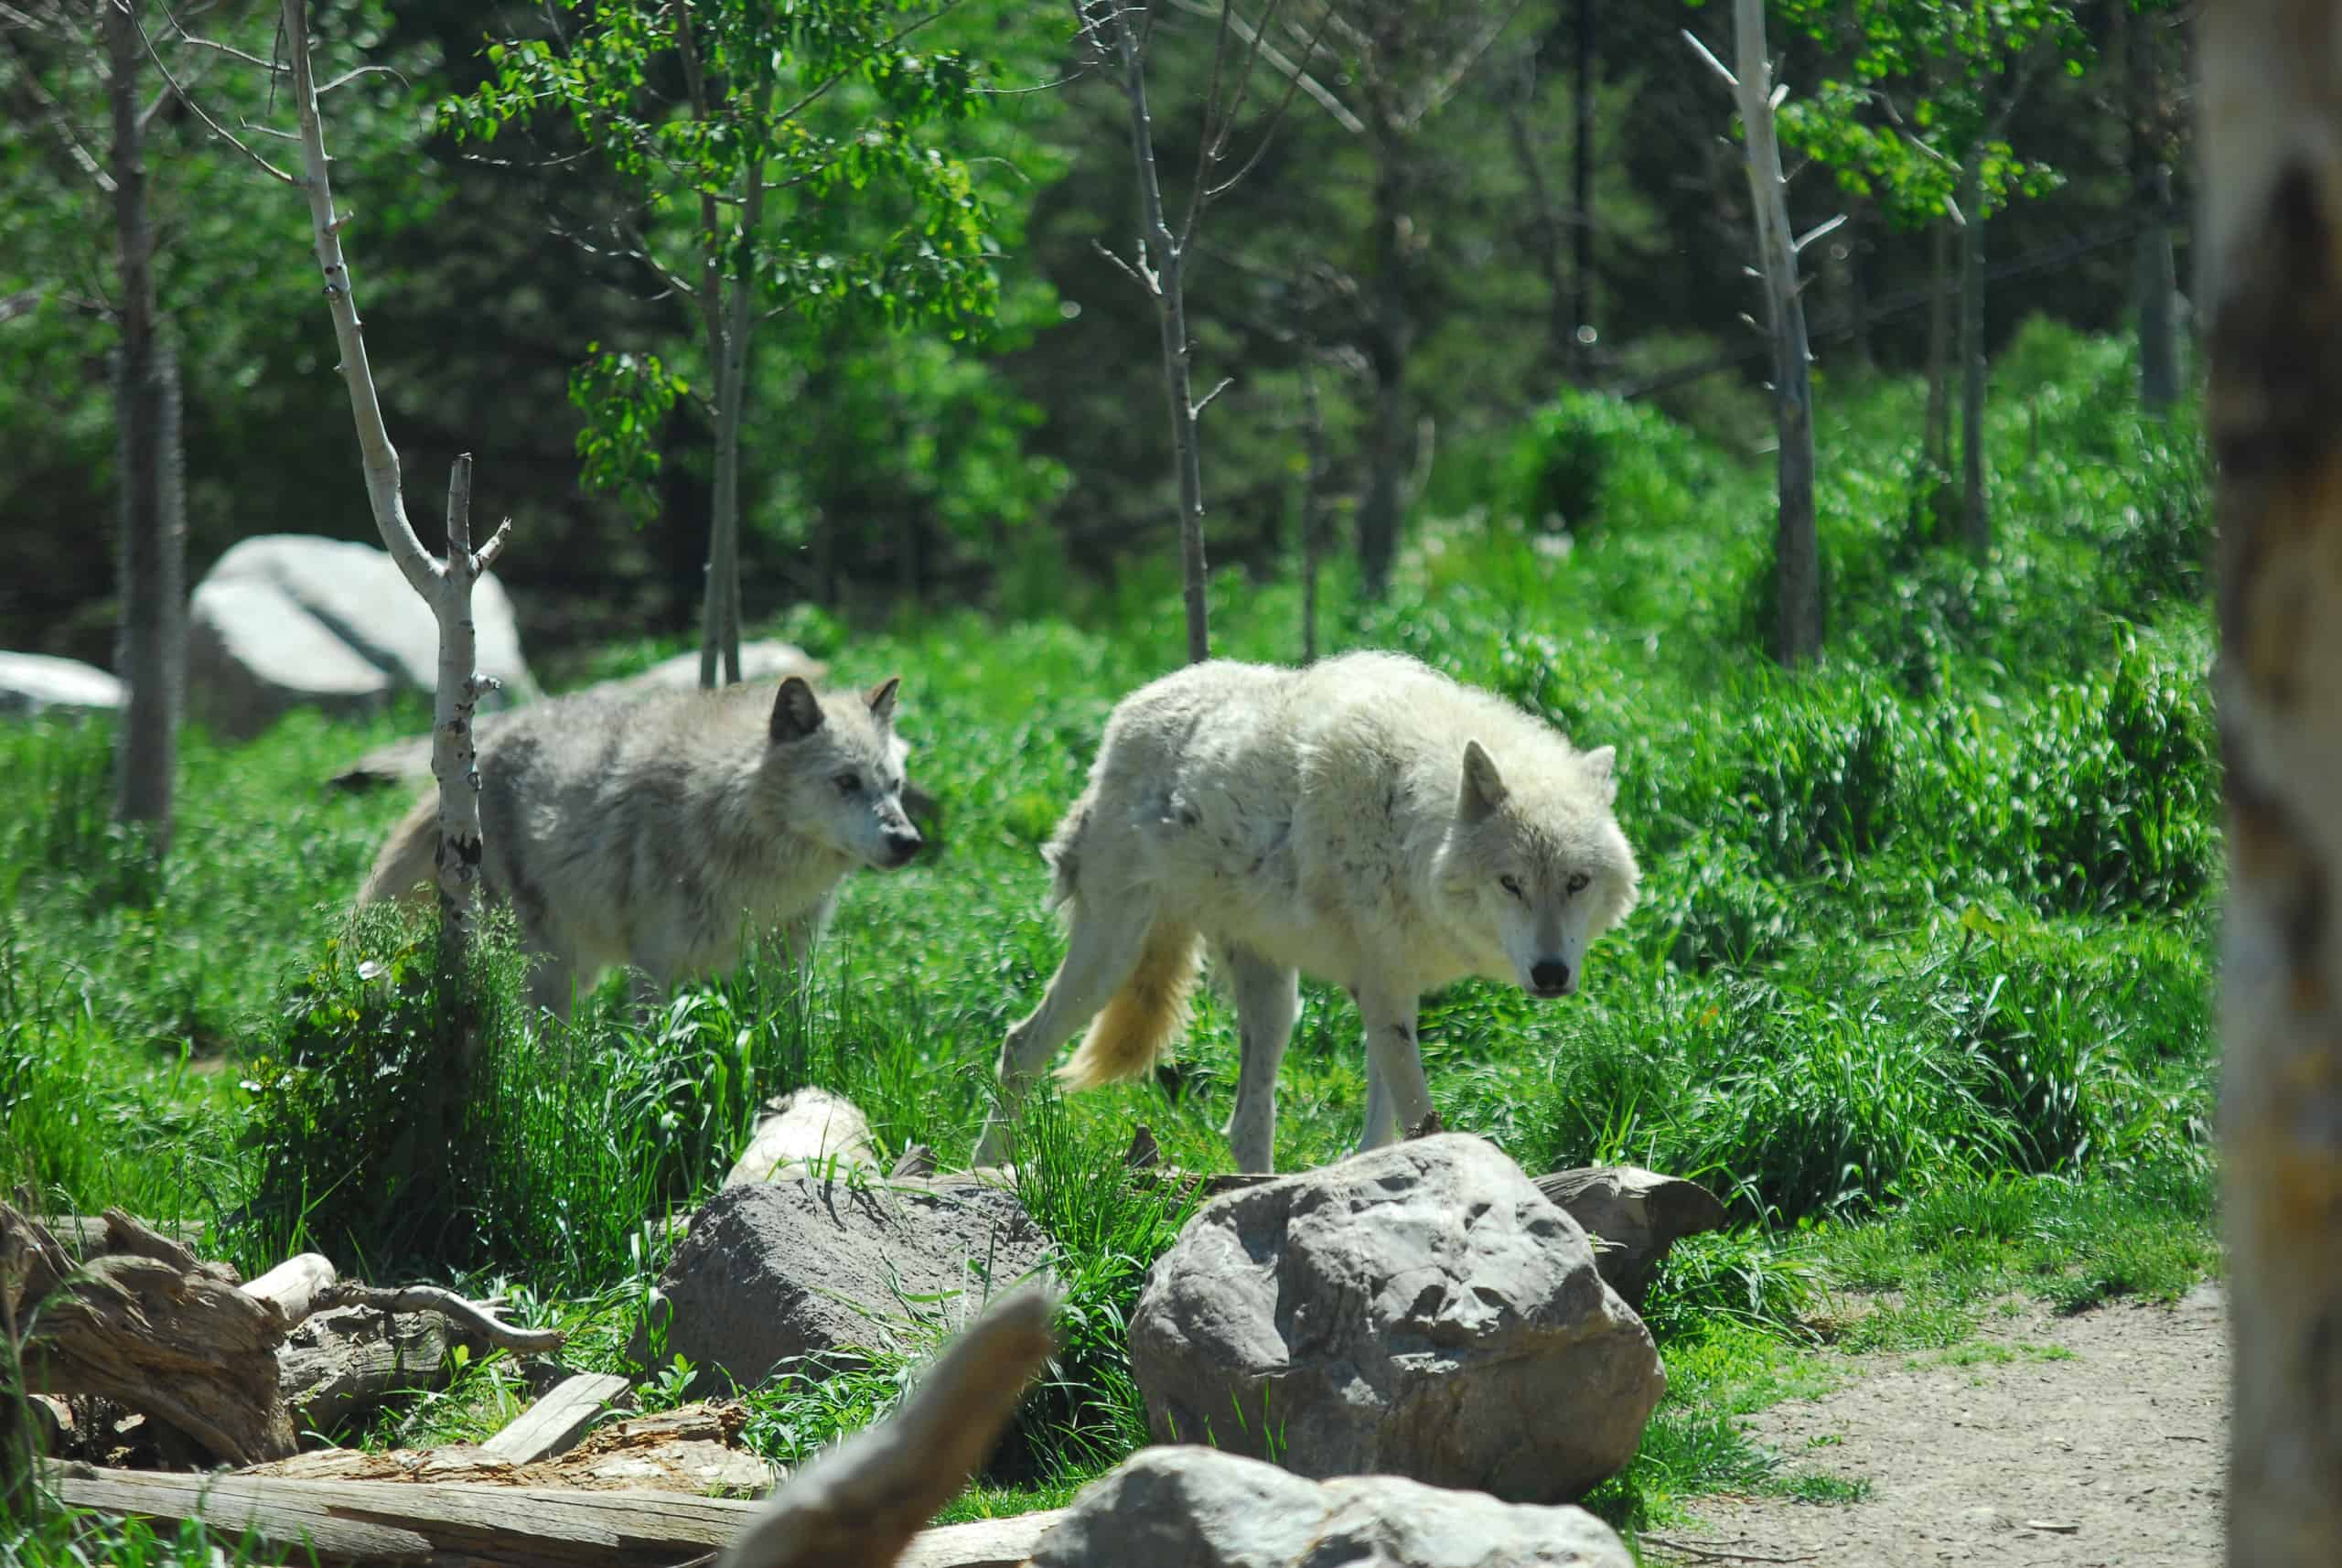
x=796, y=713
x=1484, y=787
x=1602, y=766
x=882, y=700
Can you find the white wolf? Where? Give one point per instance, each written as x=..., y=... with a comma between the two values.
x=651, y=831
x=1366, y=820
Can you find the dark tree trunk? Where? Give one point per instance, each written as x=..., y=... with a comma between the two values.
x=1389, y=335
x=1975, y=518
x=1582, y=200
x=2156, y=282
x=150, y=646
x=1938, y=437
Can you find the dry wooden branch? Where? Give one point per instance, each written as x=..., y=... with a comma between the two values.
x=472, y=1319
x=861, y=1505
x=555, y=1423
x=291, y=1287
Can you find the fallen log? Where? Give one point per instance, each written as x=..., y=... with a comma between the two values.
x=150, y=1326
x=346, y=1361
x=400, y=1523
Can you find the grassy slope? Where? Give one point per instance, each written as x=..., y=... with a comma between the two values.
x=1920, y=978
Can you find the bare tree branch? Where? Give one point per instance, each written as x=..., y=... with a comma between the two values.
x=1293, y=71
x=200, y=112
x=53, y=113
x=1444, y=85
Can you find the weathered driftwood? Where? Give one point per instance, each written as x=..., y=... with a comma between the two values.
x=694, y=1449
x=294, y=1285
x=861, y=1505
x=346, y=1361
x=148, y=1325
x=1639, y=1213
x=555, y=1424
x=468, y=1317
x=398, y=1522
x=157, y=1330
x=83, y=1233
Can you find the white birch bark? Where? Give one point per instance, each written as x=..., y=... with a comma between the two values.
x=445, y=584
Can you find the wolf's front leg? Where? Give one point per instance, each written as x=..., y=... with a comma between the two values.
x=801, y=934
x=1394, y=1065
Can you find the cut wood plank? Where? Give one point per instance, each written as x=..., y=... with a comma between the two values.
x=556, y=1422
x=394, y=1522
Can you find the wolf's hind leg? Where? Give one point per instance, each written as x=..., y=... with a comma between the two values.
x=1102, y=949
x=1268, y=999
x=1382, y=1120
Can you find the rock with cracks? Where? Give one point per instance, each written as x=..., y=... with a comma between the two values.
x=285, y=622
x=797, y=1266
x=1420, y=1311
x=1202, y=1508
x=33, y=683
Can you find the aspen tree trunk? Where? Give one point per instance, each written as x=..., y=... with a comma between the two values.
x=1937, y=430
x=2271, y=131
x=1162, y=257
x=729, y=326
x=1796, y=552
x=2157, y=282
x=1975, y=518
x=150, y=646
x=1390, y=333
x=446, y=585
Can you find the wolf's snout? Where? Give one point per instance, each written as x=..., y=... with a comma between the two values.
x=1550, y=977
x=901, y=845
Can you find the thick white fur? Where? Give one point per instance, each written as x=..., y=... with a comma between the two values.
x=653, y=831
x=1366, y=820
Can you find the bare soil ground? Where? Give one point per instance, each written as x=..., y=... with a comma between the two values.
x=2085, y=1442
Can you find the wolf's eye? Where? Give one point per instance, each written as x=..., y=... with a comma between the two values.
x=1512, y=885
x=1578, y=883
x=848, y=783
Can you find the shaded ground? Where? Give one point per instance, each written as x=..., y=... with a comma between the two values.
x=2081, y=1442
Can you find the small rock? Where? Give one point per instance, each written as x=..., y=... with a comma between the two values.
x=1198, y=1507
x=34, y=684
x=1420, y=1310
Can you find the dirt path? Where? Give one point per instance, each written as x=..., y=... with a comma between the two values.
x=2086, y=1442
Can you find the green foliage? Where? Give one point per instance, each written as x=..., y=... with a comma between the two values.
x=800, y=170
x=1588, y=459
x=625, y=399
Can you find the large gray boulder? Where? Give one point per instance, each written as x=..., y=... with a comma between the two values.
x=284, y=621
x=796, y=1265
x=1198, y=1508
x=1422, y=1311
x=39, y=683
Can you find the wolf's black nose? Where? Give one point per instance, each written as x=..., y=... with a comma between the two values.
x=902, y=843
x=1550, y=977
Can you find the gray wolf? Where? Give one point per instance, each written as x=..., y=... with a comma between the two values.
x=653, y=831
x=1365, y=820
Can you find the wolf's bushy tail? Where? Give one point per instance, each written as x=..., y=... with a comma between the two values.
x=404, y=863
x=1145, y=1018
